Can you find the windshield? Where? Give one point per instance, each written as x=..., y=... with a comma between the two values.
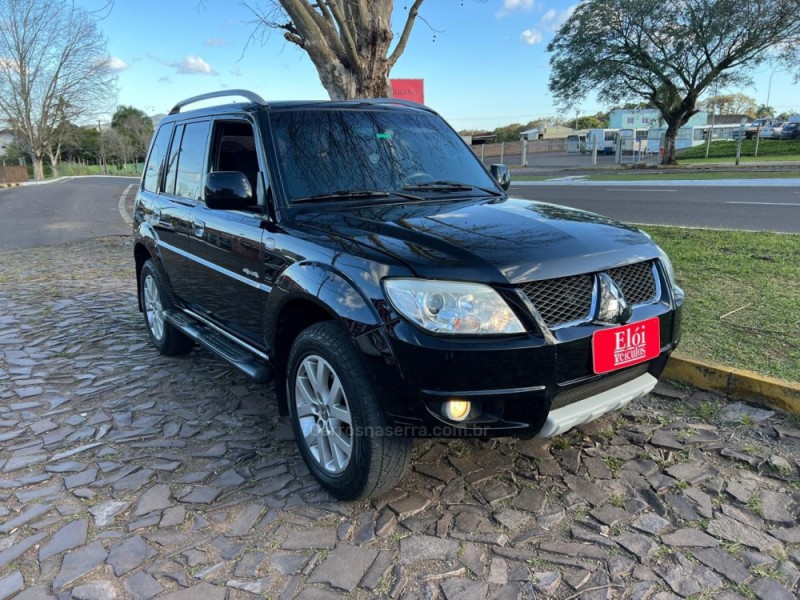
x=334, y=151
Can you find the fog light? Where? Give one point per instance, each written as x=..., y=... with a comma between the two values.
x=456, y=410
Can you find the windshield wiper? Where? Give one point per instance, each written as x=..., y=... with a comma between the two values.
x=450, y=186
x=352, y=195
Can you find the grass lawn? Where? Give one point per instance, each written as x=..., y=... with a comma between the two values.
x=732, y=160
x=755, y=274
x=700, y=175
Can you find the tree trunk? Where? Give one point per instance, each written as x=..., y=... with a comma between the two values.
x=669, y=142
x=38, y=166
x=53, y=163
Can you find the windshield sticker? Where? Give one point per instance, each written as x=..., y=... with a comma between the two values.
x=384, y=136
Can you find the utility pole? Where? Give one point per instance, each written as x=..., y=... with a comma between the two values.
x=102, y=149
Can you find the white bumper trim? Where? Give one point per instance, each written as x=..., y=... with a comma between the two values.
x=589, y=409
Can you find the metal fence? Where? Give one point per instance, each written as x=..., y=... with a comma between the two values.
x=514, y=149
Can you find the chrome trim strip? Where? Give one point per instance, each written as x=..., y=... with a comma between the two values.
x=231, y=337
x=209, y=265
x=479, y=393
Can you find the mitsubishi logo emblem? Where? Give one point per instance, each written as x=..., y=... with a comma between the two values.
x=612, y=308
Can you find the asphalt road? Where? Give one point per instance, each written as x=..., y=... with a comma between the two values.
x=83, y=208
x=62, y=212
x=756, y=208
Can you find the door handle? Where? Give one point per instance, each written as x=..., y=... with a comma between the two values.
x=199, y=228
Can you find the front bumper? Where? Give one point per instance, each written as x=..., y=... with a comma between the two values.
x=522, y=386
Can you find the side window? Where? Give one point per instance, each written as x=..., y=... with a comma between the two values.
x=234, y=149
x=155, y=162
x=172, y=163
x=191, y=161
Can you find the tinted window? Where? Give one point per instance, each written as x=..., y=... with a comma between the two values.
x=325, y=151
x=191, y=161
x=172, y=163
x=155, y=163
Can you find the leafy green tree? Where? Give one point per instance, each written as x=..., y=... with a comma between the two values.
x=667, y=53
x=730, y=104
x=763, y=111
x=135, y=127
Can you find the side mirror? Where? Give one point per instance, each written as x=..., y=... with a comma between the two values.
x=501, y=174
x=228, y=190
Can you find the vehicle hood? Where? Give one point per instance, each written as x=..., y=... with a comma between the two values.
x=494, y=241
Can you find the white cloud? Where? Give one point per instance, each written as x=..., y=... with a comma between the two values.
x=212, y=42
x=531, y=36
x=192, y=65
x=510, y=6
x=116, y=64
x=549, y=16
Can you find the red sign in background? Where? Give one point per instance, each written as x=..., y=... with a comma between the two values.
x=409, y=89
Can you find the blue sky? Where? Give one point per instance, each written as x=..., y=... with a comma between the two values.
x=484, y=62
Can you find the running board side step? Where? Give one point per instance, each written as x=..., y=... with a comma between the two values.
x=248, y=363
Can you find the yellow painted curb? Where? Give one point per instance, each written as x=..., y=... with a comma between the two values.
x=8, y=185
x=735, y=383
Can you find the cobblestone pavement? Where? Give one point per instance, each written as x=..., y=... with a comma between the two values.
x=124, y=474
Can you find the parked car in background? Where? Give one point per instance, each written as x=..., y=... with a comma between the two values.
x=755, y=127
x=771, y=132
x=790, y=131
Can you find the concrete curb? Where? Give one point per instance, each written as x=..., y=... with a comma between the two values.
x=736, y=383
x=8, y=185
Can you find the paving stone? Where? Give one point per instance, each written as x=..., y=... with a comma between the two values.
x=380, y=566
x=202, y=494
x=692, y=472
x=473, y=558
x=497, y=491
x=129, y=554
x=723, y=563
x=512, y=519
x=19, y=548
x=774, y=507
x=204, y=590
x=729, y=529
x=253, y=587
x=650, y=523
x=582, y=550
x=790, y=536
x=551, y=516
x=426, y=547
x=175, y=515
x=78, y=563
x=769, y=589
x=666, y=439
x=610, y=515
x=311, y=538
x=464, y=589
x=529, y=499
x=738, y=411
x=17, y=463
x=641, y=546
x=70, y=536
x=95, y=590
x=681, y=507
x=26, y=516
x=11, y=584
x=409, y=506
x=436, y=471
x=104, y=513
x=155, y=498
x=700, y=501
x=345, y=567
x=689, y=537
x=247, y=518
x=586, y=490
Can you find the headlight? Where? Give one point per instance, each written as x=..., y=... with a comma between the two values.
x=677, y=293
x=452, y=307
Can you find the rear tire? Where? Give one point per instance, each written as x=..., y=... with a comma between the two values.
x=335, y=416
x=167, y=339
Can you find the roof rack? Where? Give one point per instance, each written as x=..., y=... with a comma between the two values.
x=251, y=96
x=402, y=102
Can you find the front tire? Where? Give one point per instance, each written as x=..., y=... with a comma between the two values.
x=335, y=416
x=168, y=340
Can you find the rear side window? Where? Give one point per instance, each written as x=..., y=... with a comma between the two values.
x=187, y=161
x=155, y=162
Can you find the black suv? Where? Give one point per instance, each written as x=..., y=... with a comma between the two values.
x=362, y=256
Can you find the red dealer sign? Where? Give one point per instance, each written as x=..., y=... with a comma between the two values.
x=409, y=89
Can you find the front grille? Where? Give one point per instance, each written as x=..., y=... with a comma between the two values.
x=636, y=282
x=569, y=299
x=598, y=386
x=562, y=300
